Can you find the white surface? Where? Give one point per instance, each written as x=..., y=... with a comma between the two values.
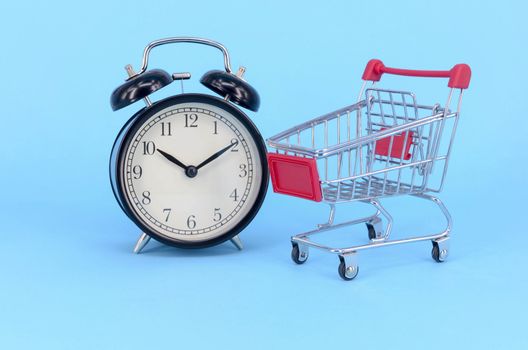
x=199, y=198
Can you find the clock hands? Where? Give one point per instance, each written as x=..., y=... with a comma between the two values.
x=216, y=155
x=172, y=159
x=191, y=170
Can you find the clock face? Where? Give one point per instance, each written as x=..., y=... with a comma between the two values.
x=192, y=170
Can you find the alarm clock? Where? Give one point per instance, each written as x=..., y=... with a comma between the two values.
x=189, y=170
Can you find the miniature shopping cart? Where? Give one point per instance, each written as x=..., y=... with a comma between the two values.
x=384, y=145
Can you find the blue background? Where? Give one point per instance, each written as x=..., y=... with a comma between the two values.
x=68, y=279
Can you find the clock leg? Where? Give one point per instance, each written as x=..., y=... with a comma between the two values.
x=141, y=243
x=237, y=242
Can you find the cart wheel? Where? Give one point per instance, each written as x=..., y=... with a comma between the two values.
x=349, y=273
x=437, y=254
x=297, y=256
x=371, y=231
x=375, y=228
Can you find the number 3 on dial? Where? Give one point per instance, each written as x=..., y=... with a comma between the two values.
x=191, y=170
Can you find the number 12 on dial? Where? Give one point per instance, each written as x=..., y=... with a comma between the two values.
x=189, y=170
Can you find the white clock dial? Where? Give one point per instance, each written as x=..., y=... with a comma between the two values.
x=168, y=188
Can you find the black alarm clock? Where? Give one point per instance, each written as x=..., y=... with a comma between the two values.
x=189, y=170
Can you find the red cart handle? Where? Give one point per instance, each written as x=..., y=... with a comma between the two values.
x=459, y=76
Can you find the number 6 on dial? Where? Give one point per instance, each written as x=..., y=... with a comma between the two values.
x=189, y=170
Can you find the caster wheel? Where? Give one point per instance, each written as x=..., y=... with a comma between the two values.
x=349, y=273
x=297, y=256
x=371, y=231
x=437, y=254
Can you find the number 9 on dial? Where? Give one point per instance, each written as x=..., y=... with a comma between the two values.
x=189, y=170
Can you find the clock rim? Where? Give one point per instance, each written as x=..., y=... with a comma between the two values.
x=138, y=120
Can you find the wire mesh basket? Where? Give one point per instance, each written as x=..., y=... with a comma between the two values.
x=386, y=144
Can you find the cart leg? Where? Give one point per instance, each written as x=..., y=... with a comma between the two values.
x=440, y=249
x=375, y=225
x=348, y=267
x=331, y=217
x=442, y=207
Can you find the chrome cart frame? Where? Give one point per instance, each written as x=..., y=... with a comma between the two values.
x=384, y=145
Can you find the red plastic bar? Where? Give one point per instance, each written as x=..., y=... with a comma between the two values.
x=459, y=76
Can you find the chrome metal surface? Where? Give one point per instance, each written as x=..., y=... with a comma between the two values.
x=353, y=167
x=331, y=217
x=237, y=242
x=377, y=221
x=351, y=265
x=302, y=238
x=131, y=73
x=192, y=40
x=241, y=71
x=443, y=246
x=147, y=101
x=130, y=70
x=377, y=225
x=181, y=76
x=303, y=252
x=141, y=243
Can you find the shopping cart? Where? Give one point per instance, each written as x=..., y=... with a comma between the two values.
x=384, y=145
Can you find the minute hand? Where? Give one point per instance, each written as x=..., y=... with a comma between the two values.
x=216, y=155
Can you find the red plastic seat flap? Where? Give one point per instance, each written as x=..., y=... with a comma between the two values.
x=295, y=176
x=382, y=146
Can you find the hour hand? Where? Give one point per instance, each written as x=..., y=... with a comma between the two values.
x=172, y=159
